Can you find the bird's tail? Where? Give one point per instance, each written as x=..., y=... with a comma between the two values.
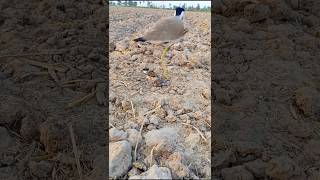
x=140, y=39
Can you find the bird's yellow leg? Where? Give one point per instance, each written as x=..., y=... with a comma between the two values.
x=164, y=64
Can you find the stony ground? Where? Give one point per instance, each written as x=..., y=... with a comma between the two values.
x=52, y=89
x=266, y=111
x=174, y=118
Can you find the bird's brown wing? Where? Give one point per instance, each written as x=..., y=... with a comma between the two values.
x=165, y=29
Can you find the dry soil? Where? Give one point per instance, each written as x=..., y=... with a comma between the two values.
x=52, y=55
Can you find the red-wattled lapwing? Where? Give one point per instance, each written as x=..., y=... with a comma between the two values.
x=165, y=30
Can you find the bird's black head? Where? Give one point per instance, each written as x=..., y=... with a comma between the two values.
x=179, y=10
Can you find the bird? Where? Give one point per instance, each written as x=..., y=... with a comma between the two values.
x=166, y=30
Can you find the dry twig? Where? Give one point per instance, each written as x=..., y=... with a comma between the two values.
x=139, y=137
x=140, y=132
x=151, y=155
x=202, y=136
x=81, y=100
x=149, y=112
x=75, y=151
x=134, y=115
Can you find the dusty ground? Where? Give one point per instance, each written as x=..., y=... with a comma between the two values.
x=266, y=113
x=37, y=92
x=175, y=117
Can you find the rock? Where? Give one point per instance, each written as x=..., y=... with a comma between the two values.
x=131, y=125
x=245, y=148
x=295, y=4
x=257, y=12
x=112, y=96
x=257, y=168
x=306, y=100
x=312, y=21
x=151, y=127
x=244, y=26
x=218, y=6
x=223, y=158
x=134, y=57
x=133, y=172
x=175, y=104
x=9, y=173
x=184, y=117
x=208, y=135
x=121, y=46
x=313, y=173
x=3, y=76
x=171, y=118
x=308, y=41
x=193, y=139
x=117, y=135
x=94, y=55
x=53, y=135
x=148, y=52
x=52, y=40
x=282, y=168
x=119, y=158
x=100, y=94
x=157, y=53
x=165, y=138
x=223, y=97
x=99, y=165
x=154, y=172
x=312, y=148
x=179, y=112
x=300, y=130
x=126, y=105
x=112, y=46
x=133, y=136
x=40, y=169
x=178, y=169
x=195, y=60
x=140, y=165
x=161, y=113
x=198, y=115
x=177, y=46
x=154, y=120
x=87, y=68
x=6, y=140
x=237, y=172
x=188, y=106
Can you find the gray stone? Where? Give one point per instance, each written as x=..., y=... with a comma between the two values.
x=153, y=137
x=193, y=139
x=154, y=120
x=154, y=172
x=133, y=136
x=40, y=169
x=117, y=135
x=119, y=158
